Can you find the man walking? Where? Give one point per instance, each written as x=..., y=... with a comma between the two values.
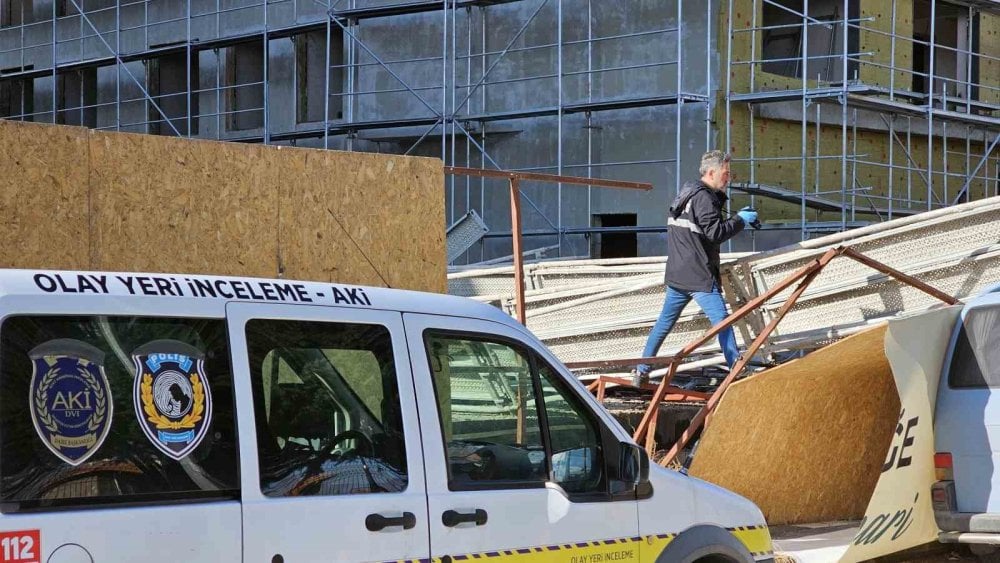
x=696, y=229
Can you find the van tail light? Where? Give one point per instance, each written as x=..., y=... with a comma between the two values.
x=943, y=467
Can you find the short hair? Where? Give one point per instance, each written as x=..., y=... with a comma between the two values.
x=713, y=160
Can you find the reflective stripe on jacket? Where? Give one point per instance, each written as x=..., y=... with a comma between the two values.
x=696, y=228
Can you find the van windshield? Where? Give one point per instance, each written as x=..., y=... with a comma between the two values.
x=975, y=361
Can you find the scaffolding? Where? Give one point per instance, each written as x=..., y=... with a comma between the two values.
x=231, y=69
x=869, y=70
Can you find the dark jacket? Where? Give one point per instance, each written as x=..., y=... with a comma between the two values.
x=696, y=229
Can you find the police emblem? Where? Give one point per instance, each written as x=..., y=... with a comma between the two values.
x=70, y=398
x=172, y=400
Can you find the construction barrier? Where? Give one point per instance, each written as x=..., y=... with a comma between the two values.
x=80, y=199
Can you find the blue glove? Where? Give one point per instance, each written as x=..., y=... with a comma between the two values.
x=748, y=215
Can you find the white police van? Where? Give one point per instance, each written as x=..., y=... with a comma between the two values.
x=213, y=419
x=966, y=496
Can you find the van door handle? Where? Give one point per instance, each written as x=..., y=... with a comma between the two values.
x=452, y=518
x=376, y=522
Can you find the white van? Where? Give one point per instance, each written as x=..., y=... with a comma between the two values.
x=967, y=428
x=213, y=419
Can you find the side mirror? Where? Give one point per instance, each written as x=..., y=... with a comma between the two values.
x=633, y=466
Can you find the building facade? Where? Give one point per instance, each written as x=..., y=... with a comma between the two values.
x=632, y=90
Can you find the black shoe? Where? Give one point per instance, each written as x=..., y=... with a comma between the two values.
x=639, y=379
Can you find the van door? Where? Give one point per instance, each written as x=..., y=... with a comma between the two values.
x=329, y=437
x=967, y=418
x=518, y=458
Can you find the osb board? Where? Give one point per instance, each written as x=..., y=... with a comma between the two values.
x=385, y=237
x=79, y=199
x=806, y=440
x=43, y=197
x=187, y=206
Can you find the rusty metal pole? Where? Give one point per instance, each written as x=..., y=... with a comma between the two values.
x=515, y=208
x=515, y=228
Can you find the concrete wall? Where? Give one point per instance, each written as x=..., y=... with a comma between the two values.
x=522, y=80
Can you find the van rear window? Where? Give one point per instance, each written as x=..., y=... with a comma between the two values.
x=98, y=410
x=327, y=408
x=975, y=361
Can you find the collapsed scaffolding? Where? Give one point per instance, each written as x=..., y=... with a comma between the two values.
x=594, y=314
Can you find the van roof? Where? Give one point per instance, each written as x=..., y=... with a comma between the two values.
x=167, y=291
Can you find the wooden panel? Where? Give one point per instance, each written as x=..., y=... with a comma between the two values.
x=364, y=218
x=166, y=204
x=43, y=196
x=312, y=242
x=806, y=440
x=79, y=199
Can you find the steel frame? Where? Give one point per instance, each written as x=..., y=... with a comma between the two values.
x=645, y=431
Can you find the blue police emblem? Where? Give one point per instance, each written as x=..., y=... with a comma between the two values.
x=172, y=400
x=70, y=398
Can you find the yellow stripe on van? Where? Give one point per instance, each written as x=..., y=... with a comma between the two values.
x=606, y=551
x=757, y=540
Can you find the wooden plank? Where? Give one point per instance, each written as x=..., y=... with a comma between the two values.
x=73, y=198
x=391, y=206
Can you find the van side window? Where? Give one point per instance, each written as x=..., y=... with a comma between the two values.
x=975, y=361
x=327, y=408
x=489, y=415
x=497, y=432
x=577, y=460
x=98, y=411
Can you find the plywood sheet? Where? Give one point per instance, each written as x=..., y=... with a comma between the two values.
x=44, y=205
x=166, y=204
x=806, y=440
x=79, y=199
x=311, y=240
x=362, y=218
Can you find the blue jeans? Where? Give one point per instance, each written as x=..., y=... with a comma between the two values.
x=714, y=307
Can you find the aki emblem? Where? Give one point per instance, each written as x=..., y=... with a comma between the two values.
x=173, y=403
x=70, y=399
